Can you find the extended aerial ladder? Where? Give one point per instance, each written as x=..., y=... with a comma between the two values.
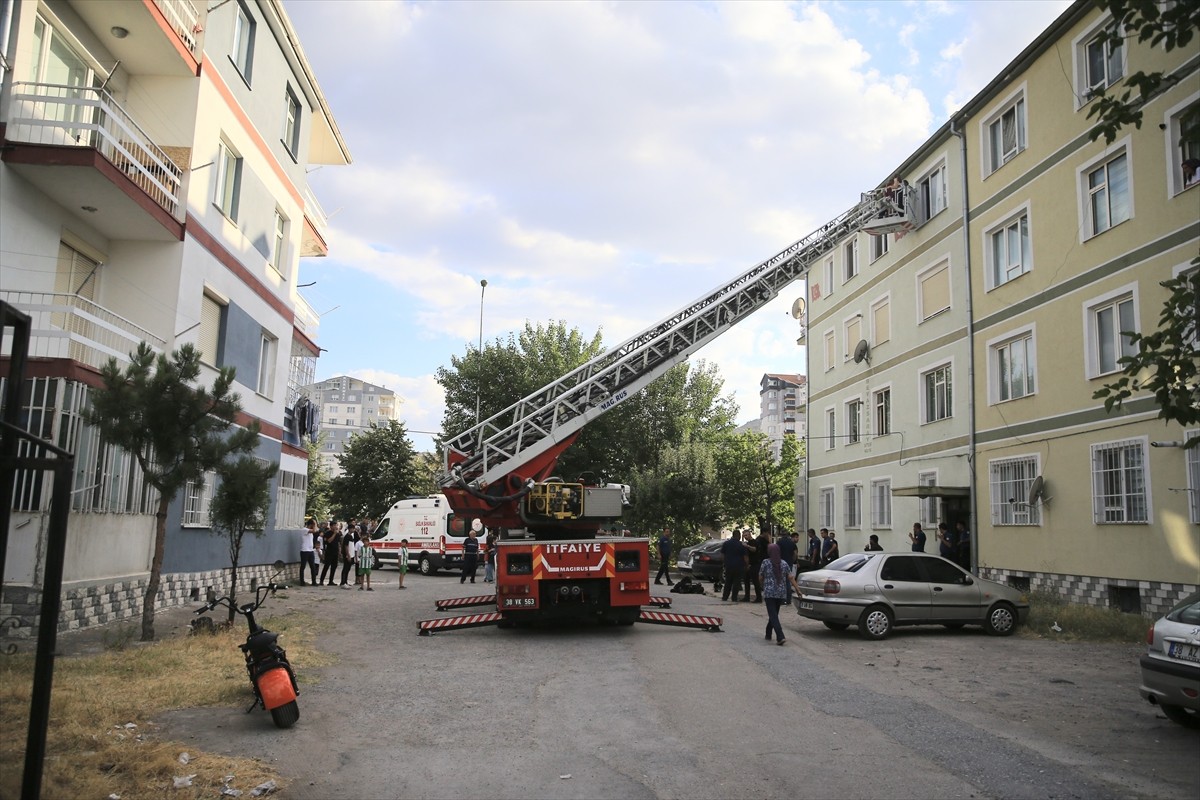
x=500, y=470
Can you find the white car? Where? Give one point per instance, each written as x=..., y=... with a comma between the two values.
x=1171, y=665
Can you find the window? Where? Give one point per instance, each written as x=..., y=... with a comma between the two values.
x=290, y=499
x=1193, y=477
x=76, y=273
x=243, y=40
x=879, y=246
x=1183, y=144
x=829, y=275
x=928, y=506
x=291, y=122
x=212, y=325
x=830, y=428
x=1009, y=252
x=850, y=258
x=932, y=190
x=883, y=412
x=853, y=331
x=197, y=498
x=881, y=321
x=852, y=497
x=937, y=397
x=266, y=365
x=1005, y=133
x=1011, y=479
x=1013, y=366
x=933, y=290
x=1119, y=482
x=853, y=421
x=1102, y=62
x=1108, y=320
x=825, y=508
x=229, y=180
x=830, y=349
x=881, y=503
x=279, y=245
x=1108, y=194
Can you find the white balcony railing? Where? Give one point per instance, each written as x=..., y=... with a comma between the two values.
x=79, y=116
x=185, y=21
x=69, y=326
x=306, y=318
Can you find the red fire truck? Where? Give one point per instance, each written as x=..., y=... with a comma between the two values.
x=551, y=561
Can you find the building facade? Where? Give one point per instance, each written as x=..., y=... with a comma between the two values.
x=153, y=189
x=347, y=407
x=1033, y=249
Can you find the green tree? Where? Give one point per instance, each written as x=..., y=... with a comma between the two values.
x=240, y=504
x=175, y=429
x=428, y=467
x=679, y=491
x=318, y=499
x=754, y=485
x=378, y=467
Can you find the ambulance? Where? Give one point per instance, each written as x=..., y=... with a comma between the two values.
x=435, y=534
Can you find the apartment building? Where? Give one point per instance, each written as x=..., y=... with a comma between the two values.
x=347, y=406
x=153, y=188
x=781, y=399
x=1033, y=248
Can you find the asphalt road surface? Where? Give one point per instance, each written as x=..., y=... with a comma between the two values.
x=660, y=712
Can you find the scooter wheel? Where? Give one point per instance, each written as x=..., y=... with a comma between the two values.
x=286, y=715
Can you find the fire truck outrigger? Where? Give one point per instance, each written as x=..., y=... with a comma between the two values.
x=552, y=561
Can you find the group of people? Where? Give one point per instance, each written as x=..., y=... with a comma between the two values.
x=330, y=544
x=952, y=545
x=473, y=549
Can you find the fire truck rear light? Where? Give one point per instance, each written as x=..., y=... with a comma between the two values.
x=639, y=586
x=515, y=588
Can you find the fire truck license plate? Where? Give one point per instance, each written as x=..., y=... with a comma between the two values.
x=511, y=602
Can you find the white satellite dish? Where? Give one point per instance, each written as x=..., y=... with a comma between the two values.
x=862, y=352
x=1036, y=490
x=798, y=308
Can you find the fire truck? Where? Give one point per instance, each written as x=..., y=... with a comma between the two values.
x=551, y=560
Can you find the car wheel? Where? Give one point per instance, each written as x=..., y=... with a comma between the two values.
x=1001, y=620
x=1181, y=715
x=875, y=622
x=836, y=626
x=426, y=566
x=954, y=626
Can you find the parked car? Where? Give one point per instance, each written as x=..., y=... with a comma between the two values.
x=1171, y=665
x=702, y=561
x=879, y=591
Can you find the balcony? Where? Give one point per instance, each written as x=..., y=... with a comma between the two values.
x=316, y=224
x=162, y=37
x=67, y=326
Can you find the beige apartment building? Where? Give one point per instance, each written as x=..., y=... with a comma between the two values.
x=347, y=406
x=1032, y=249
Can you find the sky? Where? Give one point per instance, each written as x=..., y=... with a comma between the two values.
x=606, y=163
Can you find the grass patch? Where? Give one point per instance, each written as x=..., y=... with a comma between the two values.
x=90, y=749
x=1081, y=623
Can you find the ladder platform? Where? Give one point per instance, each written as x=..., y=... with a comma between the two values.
x=680, y=620
x=661, y=602
x=465, y=602
x=427, y=627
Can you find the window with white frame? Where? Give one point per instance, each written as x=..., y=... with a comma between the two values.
x=1100, y=60
x=881, y=503
x=1108, y=321
x=852, y=502
x=853, y=421
x=830, y=350
x=928, y=506
x=1119, y=490
x=1013, y=367
x=1005, y=132
x=291, y=122
x=852, y=335
x=932, y=189
x=229, y=180
x=1193, y=477
x=290, y=499
x=830, y=274
x=242, y=53
x=266, y=364
x=212, y=323
x=937, y=397
x=879, y=246
x=830, y=428
x=1107, y=197
x=933, y=290
x=1009, y=251
x=825, y=500
x=883, y=411
x=1010, y=480
x=1183, y=144
x=881, y=320
x=279, y=244
x=197, y=499
x=850, y=259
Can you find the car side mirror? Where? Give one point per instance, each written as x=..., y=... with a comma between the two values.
x=968, y=580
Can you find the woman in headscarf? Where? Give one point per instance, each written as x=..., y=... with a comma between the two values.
x=775, y=577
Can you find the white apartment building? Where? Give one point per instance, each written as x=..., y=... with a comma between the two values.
x=347, y=407
x=781, y=400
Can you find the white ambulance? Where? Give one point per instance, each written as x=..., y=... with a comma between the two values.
x=435, y=534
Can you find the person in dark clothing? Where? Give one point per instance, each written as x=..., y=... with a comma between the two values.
x=873, y=544
x=757, y=548
x=787, y=550
x=962, y=541
x=349, y=537
x=664, y=558
x=832, y=553
x=329, y=558
x=946, y=544
x=917, y=537
x=813, y=553
x=471, y=552
x=736, y=559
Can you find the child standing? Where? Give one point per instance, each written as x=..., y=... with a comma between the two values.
x=402, y=561
x=364, y=556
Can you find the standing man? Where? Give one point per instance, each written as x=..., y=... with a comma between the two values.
x=471, y=552
x=758, y=553
x=788, y=550
x=832, y=553
x=917, y=537
x=947, y=546
x=813, y=553
x=736, y=560
x=963, y=545
x=489, y=557
x=308, y=556
x=664, y=558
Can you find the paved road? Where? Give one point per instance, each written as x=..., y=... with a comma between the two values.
x=657, y=712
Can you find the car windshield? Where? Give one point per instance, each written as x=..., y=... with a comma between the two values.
x=1187, y=612
x=851, y=563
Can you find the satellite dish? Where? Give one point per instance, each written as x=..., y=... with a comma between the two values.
x=862, y=352
x=798, y=308
x=1036, y=489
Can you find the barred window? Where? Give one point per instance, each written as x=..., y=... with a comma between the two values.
x=197, y=500
x=1119, y=482
x=1193, y=477
x=1011, y=479
x=290, y=500
x=881, y=503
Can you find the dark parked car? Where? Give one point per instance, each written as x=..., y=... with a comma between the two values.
x=1171, y=665
x=702, y=561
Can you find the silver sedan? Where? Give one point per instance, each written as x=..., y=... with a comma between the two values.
x=879, y=591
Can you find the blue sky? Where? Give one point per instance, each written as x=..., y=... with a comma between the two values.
x=604, y=163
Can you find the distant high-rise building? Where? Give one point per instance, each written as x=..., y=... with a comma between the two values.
x=348, y=406
x=781, y=400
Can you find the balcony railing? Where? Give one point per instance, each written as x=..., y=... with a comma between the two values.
x=79, y=116
x=185, y=21
x=306, y=318
x=69, y=326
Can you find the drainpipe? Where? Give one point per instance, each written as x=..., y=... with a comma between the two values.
x=972, y=524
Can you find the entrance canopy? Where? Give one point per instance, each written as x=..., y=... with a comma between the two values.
x=932, y=491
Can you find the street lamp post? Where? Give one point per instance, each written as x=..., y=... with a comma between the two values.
x=479, y=380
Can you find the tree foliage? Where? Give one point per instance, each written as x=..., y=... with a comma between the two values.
x=378, y=467
x=679, y=491
x=175, y=429
x=240, y=504
x=756, y=486
x=318, y=501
